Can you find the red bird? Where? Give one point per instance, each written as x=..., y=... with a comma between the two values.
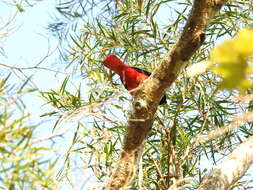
x=131, y=77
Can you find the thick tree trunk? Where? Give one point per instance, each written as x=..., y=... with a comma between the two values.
x=149, y=94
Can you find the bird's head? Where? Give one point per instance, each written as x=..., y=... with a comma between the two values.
x=112, y=59
x=113, y=63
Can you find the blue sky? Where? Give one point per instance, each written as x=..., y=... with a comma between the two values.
x=27, y=44
x=29, y=41
x=28, y=27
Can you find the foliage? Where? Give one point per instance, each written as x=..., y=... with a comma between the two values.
x=141, y=34
x=23, y=161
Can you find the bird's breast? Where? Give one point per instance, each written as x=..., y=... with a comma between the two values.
x=132, y=79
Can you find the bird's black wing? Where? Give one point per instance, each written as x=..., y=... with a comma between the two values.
x=142, y=71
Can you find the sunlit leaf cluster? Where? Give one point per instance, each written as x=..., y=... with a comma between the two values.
x=232, y=58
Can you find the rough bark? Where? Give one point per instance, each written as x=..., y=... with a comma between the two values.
x=231, y=169
x=149, y=94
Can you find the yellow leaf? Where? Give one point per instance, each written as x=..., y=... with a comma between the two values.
x=231, y=61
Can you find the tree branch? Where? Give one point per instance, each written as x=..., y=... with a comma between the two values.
x=149, y=94
x=233, y=167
